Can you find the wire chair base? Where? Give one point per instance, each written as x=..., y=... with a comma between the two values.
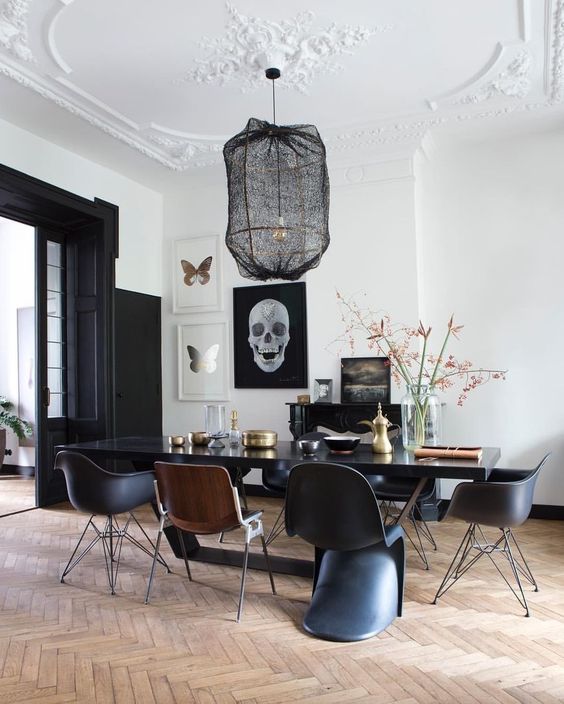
x=111, y=536
x=473, y=546
x=390, y=515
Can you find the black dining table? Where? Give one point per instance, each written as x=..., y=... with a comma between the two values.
x=142, y=452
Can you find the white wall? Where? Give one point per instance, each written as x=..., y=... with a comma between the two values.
x=17, y=290
x=372, y=240
x=140, y=209
x=490, y=220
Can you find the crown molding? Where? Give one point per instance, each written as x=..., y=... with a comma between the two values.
x=497, y=90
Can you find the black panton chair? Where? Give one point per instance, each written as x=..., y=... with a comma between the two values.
x=95, y=491
x=359, y=564
x=201, y=499
x=503, y=502
x=275, y=482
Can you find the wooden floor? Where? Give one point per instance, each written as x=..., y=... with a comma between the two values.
x=74, y=642
x=17, y=493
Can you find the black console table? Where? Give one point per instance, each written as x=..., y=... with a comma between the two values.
x=340, y=417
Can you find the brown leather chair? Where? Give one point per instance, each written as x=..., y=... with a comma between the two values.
x=200, y=499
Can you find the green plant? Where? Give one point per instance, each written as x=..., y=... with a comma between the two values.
x=8, y=419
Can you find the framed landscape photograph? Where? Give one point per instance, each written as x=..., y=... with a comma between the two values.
x=196, y=268
x=270, y=336
x=203, y=367
x=365, y=380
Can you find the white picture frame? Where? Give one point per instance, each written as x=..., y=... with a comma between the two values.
x=197, y=282
x=203, y=370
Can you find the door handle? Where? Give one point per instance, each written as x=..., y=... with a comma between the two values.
x=46, y=396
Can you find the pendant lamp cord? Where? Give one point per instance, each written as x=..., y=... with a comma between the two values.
x=273, y=104
x=277, y=150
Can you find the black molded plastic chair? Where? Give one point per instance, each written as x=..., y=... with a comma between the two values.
x=504, y=501
x=275, y=482
x=93, y=490
x=201, y=499
x=359, y=564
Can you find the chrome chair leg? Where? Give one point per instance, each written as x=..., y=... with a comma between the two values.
x=243, y=579
x=132, y=539
x=152, y=572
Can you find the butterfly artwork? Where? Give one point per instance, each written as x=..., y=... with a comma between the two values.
x=194, y=275
x=203, y=362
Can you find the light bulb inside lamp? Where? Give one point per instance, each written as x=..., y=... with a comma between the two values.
x=279, y=232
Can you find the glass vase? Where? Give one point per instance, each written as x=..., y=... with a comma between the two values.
x=420, y=417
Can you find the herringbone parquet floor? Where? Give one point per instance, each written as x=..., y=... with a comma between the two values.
x=75, y=643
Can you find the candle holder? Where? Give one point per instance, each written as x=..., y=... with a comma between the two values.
x=215, y=424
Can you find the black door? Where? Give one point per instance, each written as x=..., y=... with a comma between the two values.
x=51, y=361
x=138, y=408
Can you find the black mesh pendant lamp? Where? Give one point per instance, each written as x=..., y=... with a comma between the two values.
x=278, y=188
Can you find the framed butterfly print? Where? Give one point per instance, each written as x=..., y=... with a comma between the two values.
x=197, y=272
x=203, y=366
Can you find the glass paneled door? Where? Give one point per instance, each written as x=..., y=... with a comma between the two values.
x=56, y=331
x=52, y=400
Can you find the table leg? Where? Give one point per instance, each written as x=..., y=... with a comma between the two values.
x=406, y=510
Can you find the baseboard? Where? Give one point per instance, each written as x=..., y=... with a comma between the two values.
x=552, y=513
x=16, y=469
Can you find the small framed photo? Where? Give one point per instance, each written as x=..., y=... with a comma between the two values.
x=365, y=380
x=323, y=391
x=203, y=366
x=197, y=275
x=270, y=336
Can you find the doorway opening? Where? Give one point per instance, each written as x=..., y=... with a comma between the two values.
x=75, y=246
x=17, y=361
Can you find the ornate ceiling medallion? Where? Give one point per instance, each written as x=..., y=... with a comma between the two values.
x=13, y=28
x=243, y=52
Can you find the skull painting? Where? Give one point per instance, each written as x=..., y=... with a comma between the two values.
x=269, y=333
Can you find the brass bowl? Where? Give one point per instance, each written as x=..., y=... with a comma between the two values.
x=198, y=438
x=259, y=438
x=176, y=440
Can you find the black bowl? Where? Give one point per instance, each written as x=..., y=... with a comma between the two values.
x=341, y=444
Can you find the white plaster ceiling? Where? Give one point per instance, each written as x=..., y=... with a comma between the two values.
x=172, y=80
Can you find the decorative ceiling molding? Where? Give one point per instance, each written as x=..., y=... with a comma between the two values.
x=513, y=82
x=506, y=75
x=557, y=64
x=13, y=29
x=500, y=85
x=252, y=44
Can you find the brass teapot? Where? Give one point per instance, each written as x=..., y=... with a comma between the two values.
x=381, y=444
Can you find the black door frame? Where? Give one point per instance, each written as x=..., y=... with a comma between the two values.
x=37, y=203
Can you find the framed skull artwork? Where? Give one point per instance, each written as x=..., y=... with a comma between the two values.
x=270, y=336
